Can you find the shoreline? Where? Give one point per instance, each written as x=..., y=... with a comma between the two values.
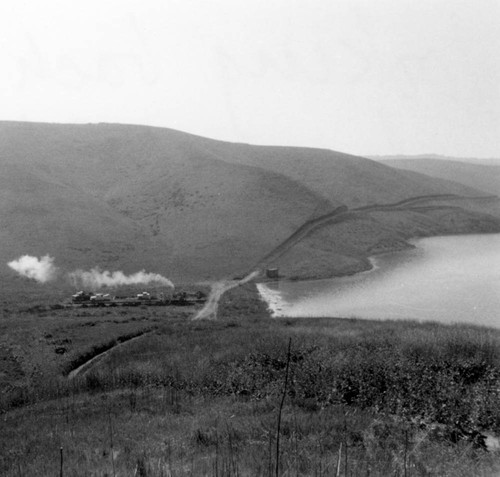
x=274, y=300
x=290, y=301
x=369, y=261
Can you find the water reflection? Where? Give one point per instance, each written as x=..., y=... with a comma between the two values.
x=446, y=279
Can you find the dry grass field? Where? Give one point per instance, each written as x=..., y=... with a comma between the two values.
x=203, y=398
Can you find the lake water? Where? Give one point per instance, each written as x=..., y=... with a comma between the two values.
x=445, y=279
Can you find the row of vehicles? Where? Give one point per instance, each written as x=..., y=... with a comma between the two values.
x=85, y=299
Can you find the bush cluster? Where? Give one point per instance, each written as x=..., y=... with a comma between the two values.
x=454, y=385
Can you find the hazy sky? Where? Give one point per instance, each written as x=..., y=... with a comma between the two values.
x=359, y=76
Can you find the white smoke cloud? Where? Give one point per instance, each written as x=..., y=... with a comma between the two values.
x=42, y=270
x=96, y=278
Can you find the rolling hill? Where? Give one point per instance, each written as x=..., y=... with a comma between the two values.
x=191, y=208
x=480, y=174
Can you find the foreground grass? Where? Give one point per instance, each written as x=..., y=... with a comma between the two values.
x=202, y=398
x=164, y=432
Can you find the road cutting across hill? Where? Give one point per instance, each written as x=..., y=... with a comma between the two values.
x=339, y=215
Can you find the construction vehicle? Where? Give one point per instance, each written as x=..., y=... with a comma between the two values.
x=85, y=299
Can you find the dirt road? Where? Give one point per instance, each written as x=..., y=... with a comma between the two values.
x=209, y=311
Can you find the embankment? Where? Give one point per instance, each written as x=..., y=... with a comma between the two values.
x=84, y=362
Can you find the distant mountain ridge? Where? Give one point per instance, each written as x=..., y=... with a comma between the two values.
x=492, y=161
x=192, y=208
x=483, y=174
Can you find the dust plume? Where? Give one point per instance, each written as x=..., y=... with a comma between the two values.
x=42, y=270
x=96, y=278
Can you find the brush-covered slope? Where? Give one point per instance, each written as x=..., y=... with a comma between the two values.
x=470, y=172
x=131, y=197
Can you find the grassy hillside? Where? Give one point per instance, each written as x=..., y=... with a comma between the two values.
x=130, y=197
x=341, y=178
x=191, y=208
